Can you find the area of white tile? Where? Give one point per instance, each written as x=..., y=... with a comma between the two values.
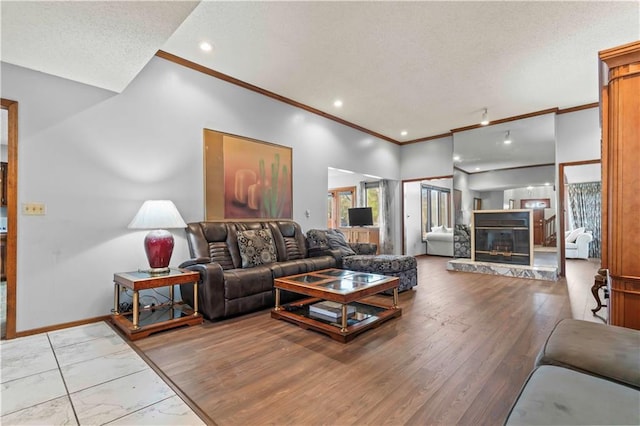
x=106, y=378
x=26, y=357
x=99, y=370
x=55, y=412
x=108, y=401
x=171, y=411
x=85, y=351
x=79, y=334
x=31, y=390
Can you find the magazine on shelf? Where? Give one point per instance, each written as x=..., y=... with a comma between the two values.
x=331, y=310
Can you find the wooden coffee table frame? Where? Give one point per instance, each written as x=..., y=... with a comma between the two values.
x=343, y=332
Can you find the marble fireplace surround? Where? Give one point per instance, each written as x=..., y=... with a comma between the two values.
x=547, y=273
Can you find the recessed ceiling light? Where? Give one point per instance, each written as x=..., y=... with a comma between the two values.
x=456, y=158
x=529, y=188
x=403, y=133
x=477, y=168
x=547, y=184
x=206, y=46
x=337, y=103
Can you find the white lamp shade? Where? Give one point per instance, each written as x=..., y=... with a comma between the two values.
x=157, y=214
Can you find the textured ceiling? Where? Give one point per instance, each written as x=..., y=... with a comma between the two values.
x=101, y=43
x=423, y=67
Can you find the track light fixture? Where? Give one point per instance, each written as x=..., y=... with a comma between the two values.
x=507, y=137
x=485, y=118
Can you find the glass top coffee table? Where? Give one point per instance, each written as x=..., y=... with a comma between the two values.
x=337, y=304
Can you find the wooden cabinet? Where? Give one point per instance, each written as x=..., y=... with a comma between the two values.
x=620, y=113
x=358, y=234
x=3, y=184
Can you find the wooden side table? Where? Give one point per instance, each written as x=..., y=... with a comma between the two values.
x=161, y=317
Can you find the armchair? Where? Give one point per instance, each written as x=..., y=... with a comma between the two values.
x=577, y=243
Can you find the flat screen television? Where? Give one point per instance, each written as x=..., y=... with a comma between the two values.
x=360, y=216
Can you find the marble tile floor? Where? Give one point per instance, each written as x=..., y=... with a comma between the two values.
x=85, y=375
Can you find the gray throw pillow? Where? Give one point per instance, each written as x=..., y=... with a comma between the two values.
x=256, y=247
x=336, y=240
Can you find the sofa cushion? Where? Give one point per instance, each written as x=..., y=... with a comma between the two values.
x=256, y=247
x=598, y=349
x=558, y=396
x=239, y=283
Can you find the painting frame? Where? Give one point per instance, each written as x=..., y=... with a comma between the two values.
x=246, y=178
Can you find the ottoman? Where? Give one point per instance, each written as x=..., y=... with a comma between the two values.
x=403, y=267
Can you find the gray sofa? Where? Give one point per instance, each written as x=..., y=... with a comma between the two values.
x=238, y=262
x=586, y=373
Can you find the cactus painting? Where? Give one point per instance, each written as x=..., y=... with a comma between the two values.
x=251, y=179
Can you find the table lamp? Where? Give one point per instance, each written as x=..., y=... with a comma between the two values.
x=158, y=215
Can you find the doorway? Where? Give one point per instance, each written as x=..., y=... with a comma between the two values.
x=538, y=205
x=577, y=173
x=9, y=209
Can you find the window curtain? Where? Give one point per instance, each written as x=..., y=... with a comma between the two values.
x=586, y=211
x=362, y=194
x=385, y=219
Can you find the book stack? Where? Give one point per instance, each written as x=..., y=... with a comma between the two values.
x=329, y=311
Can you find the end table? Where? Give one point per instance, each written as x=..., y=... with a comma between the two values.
x=160, y=317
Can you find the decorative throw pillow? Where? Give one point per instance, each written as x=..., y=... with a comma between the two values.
x=574, y=234
x=256, y=247
x=438, y=229
x=317, y=239
x=336, y=240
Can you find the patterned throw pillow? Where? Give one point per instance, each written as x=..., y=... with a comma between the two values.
x=256, y=247
x=317, y=239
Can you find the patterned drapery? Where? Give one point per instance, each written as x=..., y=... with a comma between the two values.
x=385, y=220
x=585, y=207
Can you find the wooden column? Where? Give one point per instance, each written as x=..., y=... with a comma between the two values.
x=620, y=113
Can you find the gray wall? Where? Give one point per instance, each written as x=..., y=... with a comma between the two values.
x=93, y=157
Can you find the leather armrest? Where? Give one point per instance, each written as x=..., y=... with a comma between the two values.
x=210, y=289
x=196, y=261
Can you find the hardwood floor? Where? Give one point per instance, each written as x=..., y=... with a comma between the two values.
x=458, y=355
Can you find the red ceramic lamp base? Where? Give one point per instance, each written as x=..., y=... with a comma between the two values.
x=158, y=245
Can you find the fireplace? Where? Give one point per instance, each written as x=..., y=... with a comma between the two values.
x=503, y=236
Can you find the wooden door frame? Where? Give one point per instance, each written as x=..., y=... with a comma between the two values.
x=12, y=214
x=402, y=213
x=561, y=208
x=336, y=208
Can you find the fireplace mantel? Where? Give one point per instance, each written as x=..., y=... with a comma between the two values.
x=502, y=236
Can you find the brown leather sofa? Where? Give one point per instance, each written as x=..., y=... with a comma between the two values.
x=226, y=288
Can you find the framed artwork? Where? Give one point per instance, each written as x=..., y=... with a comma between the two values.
x=246, y=178
x=477, y=203
x=512, y=204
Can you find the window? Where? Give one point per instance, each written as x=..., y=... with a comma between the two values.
x=436, y=204
x=340, y=200
x=372, y=199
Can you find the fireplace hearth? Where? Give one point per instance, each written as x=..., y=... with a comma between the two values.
x=503, y=236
